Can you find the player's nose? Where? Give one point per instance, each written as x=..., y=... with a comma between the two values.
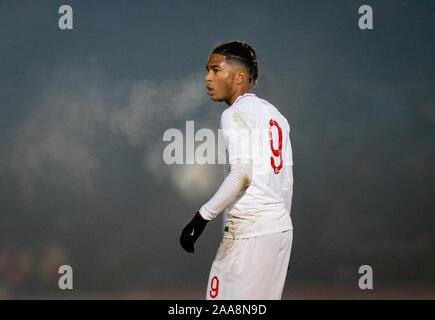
x=207, y=77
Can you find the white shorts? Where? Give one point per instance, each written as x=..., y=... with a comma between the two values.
x=250, y=268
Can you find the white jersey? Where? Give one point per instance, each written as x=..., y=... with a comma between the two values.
x=254, y=129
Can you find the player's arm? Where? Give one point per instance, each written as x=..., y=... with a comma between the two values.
x=235, y=183
x=237, y=140
x=237, y=137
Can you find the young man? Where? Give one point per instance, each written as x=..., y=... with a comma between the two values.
x=253, y=256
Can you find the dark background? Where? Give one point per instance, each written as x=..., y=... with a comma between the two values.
x=82, y=117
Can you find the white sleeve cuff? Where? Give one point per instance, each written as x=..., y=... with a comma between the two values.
x=206, y=213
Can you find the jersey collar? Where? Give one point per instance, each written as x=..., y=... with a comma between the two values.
x=248, y=94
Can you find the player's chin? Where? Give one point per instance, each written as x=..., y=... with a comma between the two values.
x=215, y=97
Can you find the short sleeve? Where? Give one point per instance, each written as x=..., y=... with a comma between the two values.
x=236, y=134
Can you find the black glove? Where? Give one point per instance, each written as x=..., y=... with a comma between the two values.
x=192, y=231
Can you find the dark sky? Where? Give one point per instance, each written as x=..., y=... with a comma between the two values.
x=83, y=112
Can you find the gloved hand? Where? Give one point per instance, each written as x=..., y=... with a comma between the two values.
x=192, y=231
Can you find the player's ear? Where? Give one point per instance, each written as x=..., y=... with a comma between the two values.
x=241, y=76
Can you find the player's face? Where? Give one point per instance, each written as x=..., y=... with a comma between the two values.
x=220, y=78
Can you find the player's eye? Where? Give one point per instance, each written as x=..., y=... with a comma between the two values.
x=215, y=70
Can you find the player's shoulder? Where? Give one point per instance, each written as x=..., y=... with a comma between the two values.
x=247, y=101
x=241, y=111
x=242, y=104
x=227, y=113
x=252, y=103
x=275, y=111
x=227, y=117
x=249, y=107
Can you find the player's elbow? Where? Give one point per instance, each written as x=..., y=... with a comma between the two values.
x=245, y=183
